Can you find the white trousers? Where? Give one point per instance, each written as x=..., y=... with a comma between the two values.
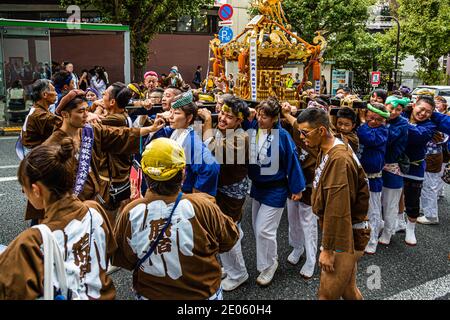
x=441, y=189
x=430, y=193
x=265, y=221
x=390, y=200
x=233, y=261
x=374, y=214
x=303, y=229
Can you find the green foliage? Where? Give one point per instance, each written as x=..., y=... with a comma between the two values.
x=337, y=19
x=425, y=33
x=342, y=22
x=146, y=18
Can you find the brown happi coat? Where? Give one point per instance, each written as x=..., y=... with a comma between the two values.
x=106, y=139
x=308, y=158
x=40, y=125
x=341, y=199
x=199, y=274
x=22, y=264
x=352, y=139
x=231, y=169
x=120, y=164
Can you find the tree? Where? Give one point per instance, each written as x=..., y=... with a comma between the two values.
x=386, y=50
x=342, y=22
x=146, y=18
x=425, y=34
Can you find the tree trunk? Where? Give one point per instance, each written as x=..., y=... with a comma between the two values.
x=140, y=56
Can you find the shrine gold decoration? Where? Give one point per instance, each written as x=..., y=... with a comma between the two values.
x=276, y=46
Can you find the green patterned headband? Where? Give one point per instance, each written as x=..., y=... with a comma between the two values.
x=395, y=101
x=183, y=100
x=384, y=114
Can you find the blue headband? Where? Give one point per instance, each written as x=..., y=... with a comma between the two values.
x=94, y=91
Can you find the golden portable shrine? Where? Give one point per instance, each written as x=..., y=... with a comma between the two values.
x=262, y=49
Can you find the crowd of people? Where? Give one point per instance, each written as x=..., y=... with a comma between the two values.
x=162, y=193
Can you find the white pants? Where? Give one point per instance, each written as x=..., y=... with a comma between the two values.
x=430, y=193
x=390, y=199
x=265, y=221
x=233, y=261
x=441, y=189
x=374, y=214
x=302, y=229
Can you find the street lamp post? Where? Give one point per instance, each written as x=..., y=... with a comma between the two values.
x=398, y=45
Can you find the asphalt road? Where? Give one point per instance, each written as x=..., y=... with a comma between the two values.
x=421, y=272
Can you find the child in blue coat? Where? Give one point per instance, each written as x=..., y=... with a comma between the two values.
x=392, y=175
x=373, y=136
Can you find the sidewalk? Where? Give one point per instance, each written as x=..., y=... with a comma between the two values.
x=13, y=128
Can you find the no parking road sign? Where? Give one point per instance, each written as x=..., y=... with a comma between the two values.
x=225, y=12
x=225, y=34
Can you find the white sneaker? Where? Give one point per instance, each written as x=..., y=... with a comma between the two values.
x=224, y=274
x=401, y=223
x=371, y=248
x=410, y=237
x=295, y=255
x=385, y=238
x=425, y=220
x=230, y=284
x=265, y=277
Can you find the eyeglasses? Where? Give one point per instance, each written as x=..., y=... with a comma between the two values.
x=307, y=133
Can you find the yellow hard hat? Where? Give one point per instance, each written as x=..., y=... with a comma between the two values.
x=162, y=159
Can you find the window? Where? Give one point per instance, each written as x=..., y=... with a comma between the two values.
x=184, y=24
x=206, y=24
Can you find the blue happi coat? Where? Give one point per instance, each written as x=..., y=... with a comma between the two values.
x=269, y=189
x=202, y=169
x=396, y=145
x=419, y=134
x=372, y=144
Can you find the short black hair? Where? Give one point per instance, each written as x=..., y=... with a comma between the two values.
x=38, y=87
x=237, y=105
x=380, y=93
x=316, y=117
x=346, y=113
x=426, y=99
x=60, y=78
x=271, y=107
x=165, y=188
x=158, y=89
x=121, y=94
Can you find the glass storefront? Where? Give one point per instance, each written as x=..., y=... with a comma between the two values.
x=25, y=57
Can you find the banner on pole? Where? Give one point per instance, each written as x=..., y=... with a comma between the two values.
x=253, y=68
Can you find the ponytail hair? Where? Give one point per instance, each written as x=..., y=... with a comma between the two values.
x=121, y=93
x=52, y=165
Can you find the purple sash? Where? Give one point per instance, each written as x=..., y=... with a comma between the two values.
x=84, y=158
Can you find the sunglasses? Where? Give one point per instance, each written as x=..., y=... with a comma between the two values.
x=307, y=133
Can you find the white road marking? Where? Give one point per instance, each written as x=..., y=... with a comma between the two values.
x=428, y=291
x=4, y=179
x=9, y=167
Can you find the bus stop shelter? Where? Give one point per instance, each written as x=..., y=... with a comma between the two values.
x=28, y=49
